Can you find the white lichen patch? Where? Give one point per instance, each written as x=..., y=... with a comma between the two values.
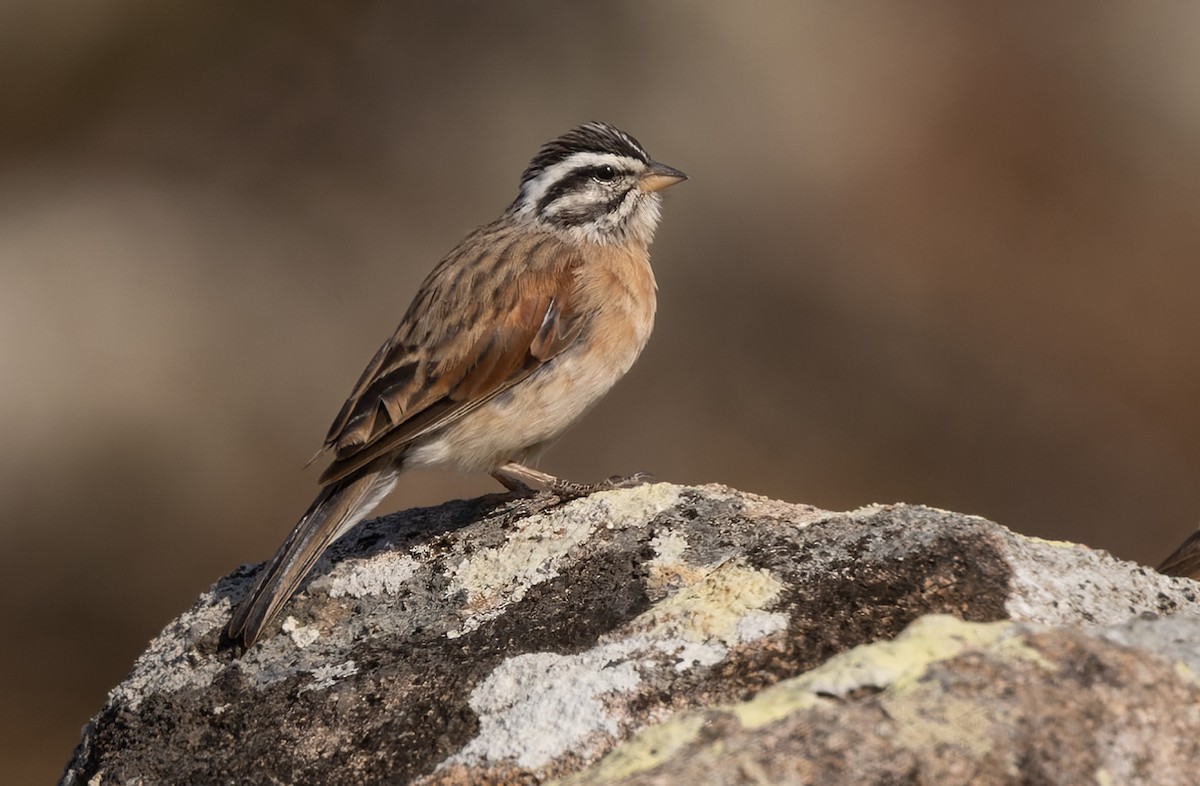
x=302, y=635
x=382, y=574
x=534, y=708
x=757, y=624
x=692, y=654
x=669, y=547
x=171, y=663
x=625, y=508
x=494, y=577
x=545, y=543
x=326, y=676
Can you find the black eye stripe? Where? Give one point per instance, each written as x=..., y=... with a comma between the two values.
x=590, y=214
x=575, y=178
x=567, y=183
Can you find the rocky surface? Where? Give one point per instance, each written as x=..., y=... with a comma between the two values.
x=668, y=634
x=947, y=702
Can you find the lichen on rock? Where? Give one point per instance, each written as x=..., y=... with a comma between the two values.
x=642, y=635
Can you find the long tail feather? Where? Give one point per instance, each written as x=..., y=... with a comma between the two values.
x=339, y=507
x=1185, y=560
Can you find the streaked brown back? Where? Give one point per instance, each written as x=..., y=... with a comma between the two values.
x=438, y=365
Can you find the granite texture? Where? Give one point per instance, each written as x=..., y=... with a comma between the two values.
x=669, y=634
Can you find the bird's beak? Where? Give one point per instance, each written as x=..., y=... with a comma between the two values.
x=660, y=176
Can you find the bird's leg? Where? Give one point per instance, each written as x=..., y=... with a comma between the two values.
x=516, y=477
x=516, y=483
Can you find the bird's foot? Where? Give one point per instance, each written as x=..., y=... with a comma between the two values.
x=566, y=490
x=526, y=481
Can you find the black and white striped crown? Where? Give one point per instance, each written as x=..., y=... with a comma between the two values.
x=592, y=137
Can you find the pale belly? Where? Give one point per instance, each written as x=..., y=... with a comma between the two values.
x=533, y=412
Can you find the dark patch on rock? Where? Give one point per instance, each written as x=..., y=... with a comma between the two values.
x=860, y=581
x=569, y=613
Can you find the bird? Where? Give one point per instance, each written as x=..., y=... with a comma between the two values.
x=512, y=337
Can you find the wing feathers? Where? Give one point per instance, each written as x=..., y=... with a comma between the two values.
x=479, y=325
x=557, y=331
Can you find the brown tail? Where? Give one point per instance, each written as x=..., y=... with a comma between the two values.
x=1185, y=560
x=336, y=509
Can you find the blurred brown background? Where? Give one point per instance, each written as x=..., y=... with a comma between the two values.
x=937, y=253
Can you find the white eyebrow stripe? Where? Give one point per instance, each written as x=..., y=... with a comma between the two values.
x=533, y=190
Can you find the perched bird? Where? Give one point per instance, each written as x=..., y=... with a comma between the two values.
x=514, y=335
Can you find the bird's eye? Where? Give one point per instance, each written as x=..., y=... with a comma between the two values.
x=604, y=173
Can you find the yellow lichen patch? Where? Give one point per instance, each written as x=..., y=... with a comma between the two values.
x=775, y=703
x=631, y=507
x=645, y=751
x=527, y=558
x=713, y=607
x=544, y=544
x=931, y=638
x=1017, y=648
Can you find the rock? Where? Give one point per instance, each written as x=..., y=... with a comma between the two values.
x=946, y=702
x=668, y=634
